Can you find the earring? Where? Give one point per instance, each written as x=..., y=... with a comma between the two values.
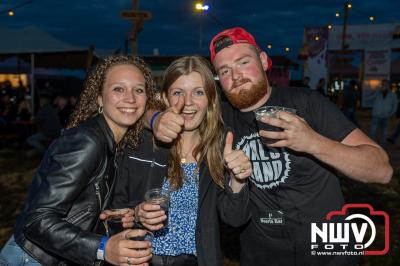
x=100, y=110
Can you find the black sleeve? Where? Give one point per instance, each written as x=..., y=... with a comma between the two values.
x=65, y=172
x=325, y=118
x=233, y=208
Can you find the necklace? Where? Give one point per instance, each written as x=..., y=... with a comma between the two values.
x=184, y=157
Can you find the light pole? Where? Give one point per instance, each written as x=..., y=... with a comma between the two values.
x=347, y=6
x=204, y=8
x=199, y=7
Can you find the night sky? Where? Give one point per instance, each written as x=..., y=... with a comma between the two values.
x=174, y=28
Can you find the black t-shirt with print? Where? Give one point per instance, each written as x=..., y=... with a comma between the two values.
x=288, y=189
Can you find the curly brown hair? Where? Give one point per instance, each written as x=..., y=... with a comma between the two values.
x=87, y=105
x=211, y=128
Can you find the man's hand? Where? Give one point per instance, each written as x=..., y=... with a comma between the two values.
x=237, y=163
x=120, y=250
x=296, y=135
x=369, y=162
x=169, y=123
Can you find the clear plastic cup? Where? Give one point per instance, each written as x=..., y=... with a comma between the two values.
x=157, y=196
x=270, y=111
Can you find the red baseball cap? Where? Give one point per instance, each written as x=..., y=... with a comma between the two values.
x=235, y=36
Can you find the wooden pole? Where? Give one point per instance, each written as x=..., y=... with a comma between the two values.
x=138, y=18
x=135, y=5
x=344, y=31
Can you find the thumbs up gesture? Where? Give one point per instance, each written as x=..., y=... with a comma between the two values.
x=169, y=123
x=237, y=163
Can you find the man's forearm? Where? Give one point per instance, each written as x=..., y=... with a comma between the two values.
x=364, y=162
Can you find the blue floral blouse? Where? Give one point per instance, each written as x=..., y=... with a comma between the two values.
x=179, y=237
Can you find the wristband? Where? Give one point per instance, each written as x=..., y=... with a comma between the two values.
x=153, y=118
x=102, y=246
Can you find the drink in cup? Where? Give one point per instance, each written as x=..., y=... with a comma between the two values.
x=114, y=222
x=149, y=236
x=270, y=111
x=157, y=196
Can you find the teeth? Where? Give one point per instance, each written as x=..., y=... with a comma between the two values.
x=127, y=110
x=189, y=112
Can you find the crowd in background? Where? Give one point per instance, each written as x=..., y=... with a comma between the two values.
x=52, y=109
x=23, y=125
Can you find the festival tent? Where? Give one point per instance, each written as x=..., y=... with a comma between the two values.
x=39, y=49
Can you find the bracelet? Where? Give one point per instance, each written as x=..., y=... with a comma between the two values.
x=153, y=118
x=102, y=246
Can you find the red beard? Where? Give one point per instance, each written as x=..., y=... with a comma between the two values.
x=247, y=97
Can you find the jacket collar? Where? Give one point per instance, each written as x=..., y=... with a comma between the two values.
x=102, y=123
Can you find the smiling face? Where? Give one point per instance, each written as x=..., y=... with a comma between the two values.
x=123, y=98
x=241, y=70
x=191, y=88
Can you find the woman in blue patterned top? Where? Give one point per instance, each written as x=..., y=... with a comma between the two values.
x=206, y=177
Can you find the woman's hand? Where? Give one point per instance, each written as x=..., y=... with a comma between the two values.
x=150, y=215
x=127, y=219
x=237, y=163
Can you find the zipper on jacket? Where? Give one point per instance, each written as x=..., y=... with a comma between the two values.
x=114, y=177
x=97, y=187
x=77, y=217
x=108, y=189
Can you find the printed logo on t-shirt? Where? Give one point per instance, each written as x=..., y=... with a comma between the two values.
x=271, y=166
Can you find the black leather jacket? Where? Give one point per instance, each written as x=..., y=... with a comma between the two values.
x=70, y=188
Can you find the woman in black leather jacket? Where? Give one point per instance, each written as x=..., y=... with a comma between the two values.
x=60, y=218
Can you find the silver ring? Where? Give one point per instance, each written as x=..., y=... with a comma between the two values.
x=128, y=260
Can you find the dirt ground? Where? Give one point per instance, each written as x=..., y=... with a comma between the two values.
x=18, y=166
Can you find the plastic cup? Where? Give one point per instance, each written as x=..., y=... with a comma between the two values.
x=270, y=111
x=157, y=196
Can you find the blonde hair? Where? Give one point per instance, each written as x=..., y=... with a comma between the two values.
x=211, y=128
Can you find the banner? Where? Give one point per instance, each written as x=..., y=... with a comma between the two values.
x=359, y=37
x=377, y=63
x=376, y=68
x=316, y=43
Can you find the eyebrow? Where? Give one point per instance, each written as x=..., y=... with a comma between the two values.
x=119, y=82
x=179, y=88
